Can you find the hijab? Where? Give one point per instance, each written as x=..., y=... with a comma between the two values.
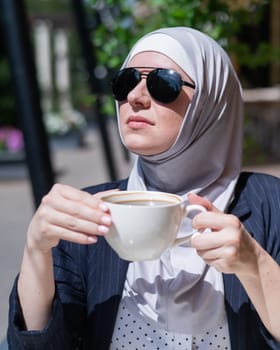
x=185, y=294
x=206, y=156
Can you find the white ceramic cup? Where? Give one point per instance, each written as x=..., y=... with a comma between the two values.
x=146, y=223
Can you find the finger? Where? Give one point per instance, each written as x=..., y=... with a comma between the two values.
x=66, y=199
x=67, y=192
x=55, y=218
x=215, y=221
x=77, y=209
x=72, y=236
x=93, y=201
x=223, y=238
x=73, y=194
x=195, y=199
x=227, y=253
x=224, y=259
x=205, y=241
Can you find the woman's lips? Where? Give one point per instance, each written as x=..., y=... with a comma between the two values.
x=137, y=122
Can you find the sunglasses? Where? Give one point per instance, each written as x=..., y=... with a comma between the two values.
x=164, y=85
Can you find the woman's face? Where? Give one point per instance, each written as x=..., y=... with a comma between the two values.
x=149, y=127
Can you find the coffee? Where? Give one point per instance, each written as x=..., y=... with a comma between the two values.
x=146, y=203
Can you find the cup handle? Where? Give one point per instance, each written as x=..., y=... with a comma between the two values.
x=187, y=209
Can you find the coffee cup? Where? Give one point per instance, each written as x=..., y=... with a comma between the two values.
x=146, y=223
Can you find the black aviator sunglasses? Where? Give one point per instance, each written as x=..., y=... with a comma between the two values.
x=164, y=85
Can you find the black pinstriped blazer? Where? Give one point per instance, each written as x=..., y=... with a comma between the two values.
x=90, y=281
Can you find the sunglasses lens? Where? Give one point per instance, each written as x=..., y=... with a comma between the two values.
x=164, y=85
x=125, y=81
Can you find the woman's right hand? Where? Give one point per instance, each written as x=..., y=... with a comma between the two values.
x=69, y=214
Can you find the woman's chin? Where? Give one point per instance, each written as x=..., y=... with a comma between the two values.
x=143, y=147
x=143, y=151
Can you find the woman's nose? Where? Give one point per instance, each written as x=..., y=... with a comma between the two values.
x=140, y=95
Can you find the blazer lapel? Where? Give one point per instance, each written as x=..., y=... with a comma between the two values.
x=106, y=281
x=236, y=300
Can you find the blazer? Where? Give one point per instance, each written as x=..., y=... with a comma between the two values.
x=90, y=280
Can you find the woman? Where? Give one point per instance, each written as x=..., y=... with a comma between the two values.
x=179, y=109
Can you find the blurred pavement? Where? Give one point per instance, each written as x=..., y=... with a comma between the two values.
x=78, y=167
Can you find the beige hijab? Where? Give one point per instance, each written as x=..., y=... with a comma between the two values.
x=179, y=292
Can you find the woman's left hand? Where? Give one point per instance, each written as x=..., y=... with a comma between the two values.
x=229, y=248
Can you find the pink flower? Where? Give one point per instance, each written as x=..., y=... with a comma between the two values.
x=11, y=139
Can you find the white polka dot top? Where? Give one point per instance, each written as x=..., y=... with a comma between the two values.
x=134, y=332
x=174, y=302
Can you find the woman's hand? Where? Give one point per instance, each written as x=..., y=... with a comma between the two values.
x=69, y=214
x=229, y=247
x=64, y=213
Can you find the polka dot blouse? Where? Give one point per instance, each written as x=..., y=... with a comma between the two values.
x=134, y=332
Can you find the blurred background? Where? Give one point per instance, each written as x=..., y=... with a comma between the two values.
x=57, y=118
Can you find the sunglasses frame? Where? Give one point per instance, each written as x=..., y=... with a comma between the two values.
x=152, y=71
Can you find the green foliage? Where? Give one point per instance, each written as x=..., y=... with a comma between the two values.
x=121, y=23
x=259, y=57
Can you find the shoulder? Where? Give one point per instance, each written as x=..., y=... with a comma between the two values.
x=258, y=194
x=258, y=184
x=257, y=204
x=119, y=184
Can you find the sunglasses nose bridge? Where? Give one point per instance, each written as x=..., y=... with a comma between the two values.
x=140, y=89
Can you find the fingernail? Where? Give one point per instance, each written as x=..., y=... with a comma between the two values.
x=106, y=220
x=103, y=207
x=103, y=229
x=92, y=239
x=196, y=233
